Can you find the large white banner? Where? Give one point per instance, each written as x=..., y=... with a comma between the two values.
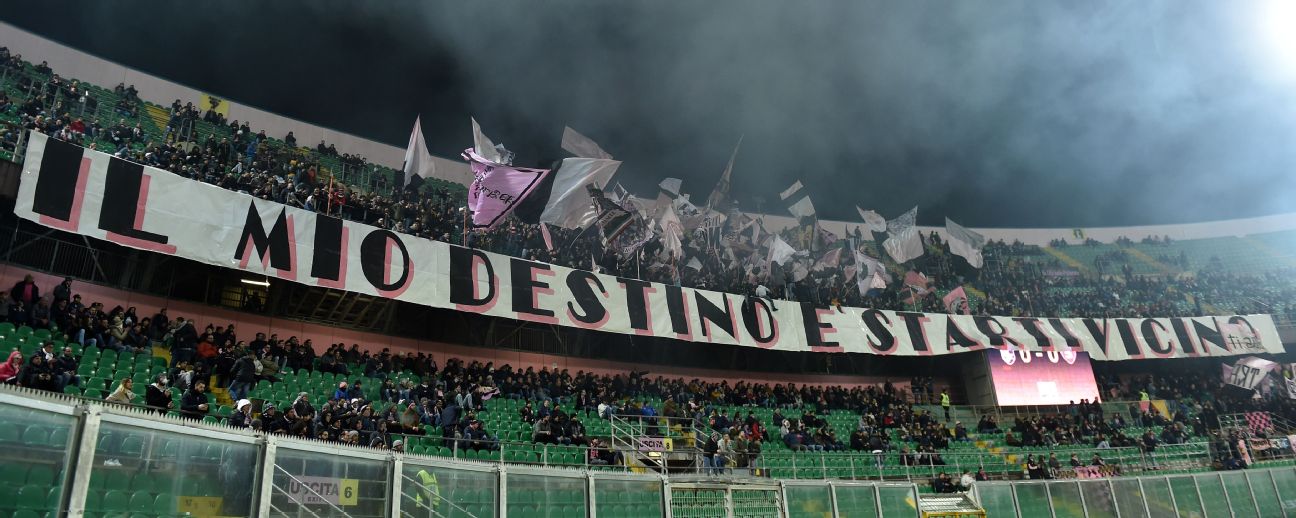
x=91, y=193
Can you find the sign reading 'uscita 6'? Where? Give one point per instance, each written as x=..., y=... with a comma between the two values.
x=94, y=194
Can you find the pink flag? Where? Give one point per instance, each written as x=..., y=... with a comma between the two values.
x=956, y=301
x=548, y=238
x=916, y=284
x=497, y=188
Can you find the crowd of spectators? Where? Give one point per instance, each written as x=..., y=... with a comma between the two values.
x=1017, y=280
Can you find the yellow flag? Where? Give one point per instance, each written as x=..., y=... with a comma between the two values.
x=216, y=104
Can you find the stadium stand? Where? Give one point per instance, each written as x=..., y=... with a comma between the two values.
x=373, y=405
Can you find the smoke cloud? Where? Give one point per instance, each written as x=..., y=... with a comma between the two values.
x=992, y=112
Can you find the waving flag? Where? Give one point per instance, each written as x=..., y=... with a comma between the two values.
x=904, y=244
x=581, y=146
x=780, y=251
x=965, y=243
x=830, y=259
x=956, y=301
x=915, y=285
x=720, y=195
x=672, y=232
x=871, y=267
x=671, y=185
x=875, y=221
x=800, y=206
x=497, y=188
x=562, y=200
x=484, y=147
x=418, y=161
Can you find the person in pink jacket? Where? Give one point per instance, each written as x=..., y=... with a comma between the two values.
x=10, y=369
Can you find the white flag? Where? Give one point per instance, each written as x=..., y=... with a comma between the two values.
x=483, y=145
x=875, y=221
x=1249, y=372
x=721, y=191
x=418, y=161
x=671, y=185
x=965, y=243
x=904, y=244
x=672, y=232
x=871, y=267
x=803, y=208
x=780, y=251
x=787, y=193
x=569, y=202
x=694, y=263
x=580, y=145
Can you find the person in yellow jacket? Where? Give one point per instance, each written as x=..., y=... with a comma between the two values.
x=945, y=404
x=428, y=492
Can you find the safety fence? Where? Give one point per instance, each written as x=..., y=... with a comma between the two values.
x=70, y=457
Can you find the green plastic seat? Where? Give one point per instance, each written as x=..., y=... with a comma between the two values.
x=40, y=476
x=143, y=481
x=141, y=502
x=31, y=497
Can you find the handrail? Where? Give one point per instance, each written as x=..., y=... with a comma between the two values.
x=308, y=488
x=438, y=495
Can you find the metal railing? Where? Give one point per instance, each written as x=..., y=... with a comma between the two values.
x=418, y=486
x=304, y=506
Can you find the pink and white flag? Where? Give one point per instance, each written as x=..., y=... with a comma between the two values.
x=497, y=188
x=956, y=301
x=1249, y=372
x=548, y=238
x=830, y=259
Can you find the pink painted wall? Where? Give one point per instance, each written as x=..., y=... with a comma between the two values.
x=248, y=324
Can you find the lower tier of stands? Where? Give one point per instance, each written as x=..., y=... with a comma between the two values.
x=82, y=458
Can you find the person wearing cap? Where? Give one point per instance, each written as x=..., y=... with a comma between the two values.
x=242, y=416
x=341, y=391
x=271, y=421
x=398, y=446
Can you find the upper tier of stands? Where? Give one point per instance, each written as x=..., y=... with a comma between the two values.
x=1150, y=276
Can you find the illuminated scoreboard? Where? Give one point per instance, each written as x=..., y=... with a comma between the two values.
x=1041, y=378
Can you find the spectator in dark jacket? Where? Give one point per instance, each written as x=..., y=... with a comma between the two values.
x=158, y=396
x=25, y=291
x=38, y=374
x=184, y=342
x=194, y=401
x=242, y=376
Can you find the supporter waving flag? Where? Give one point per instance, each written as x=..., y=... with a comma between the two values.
x=580, y=145
x=956, y=301
x=497, y=188
x=965, y=243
